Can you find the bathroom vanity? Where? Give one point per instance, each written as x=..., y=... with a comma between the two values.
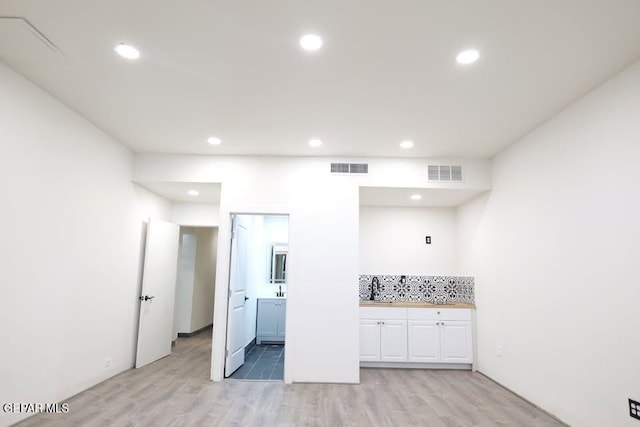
x=270, y=320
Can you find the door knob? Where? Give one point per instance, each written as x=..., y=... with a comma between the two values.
x=146, y=298
x=246, y=298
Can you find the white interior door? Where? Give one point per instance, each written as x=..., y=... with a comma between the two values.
x=158, y=292
x=237, y=292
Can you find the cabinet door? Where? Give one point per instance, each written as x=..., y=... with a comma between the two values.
x=393, y=341
x=456, y=342
x=369, y=340
x=282, y=311
x=267, y=324
x=424, y=341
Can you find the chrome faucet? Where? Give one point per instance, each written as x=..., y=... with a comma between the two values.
x=375, y=285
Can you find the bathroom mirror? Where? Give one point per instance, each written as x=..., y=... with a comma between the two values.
x=278, y=263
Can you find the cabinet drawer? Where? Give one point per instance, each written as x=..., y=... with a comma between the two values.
x=455, y=314
x=391, y=313
x=415, y=313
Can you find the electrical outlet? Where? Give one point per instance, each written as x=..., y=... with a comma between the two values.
x=107, y=363
x=499, y=350
x=634, y=409
x=427, y=240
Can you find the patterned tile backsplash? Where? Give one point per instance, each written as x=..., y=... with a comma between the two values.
x=432, y=289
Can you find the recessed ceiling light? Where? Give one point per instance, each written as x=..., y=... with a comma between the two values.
x=193, y=192
x=467, y=57
x=127, y=51
x=406, y=144
x=214, y=141
x=315, y=142
x=416, y=197
x=311, y=42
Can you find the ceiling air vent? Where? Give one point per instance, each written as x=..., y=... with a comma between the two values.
x=434, y=173
x=339, y=167
x=358, y=168
x=456, y=173
x=445, y=173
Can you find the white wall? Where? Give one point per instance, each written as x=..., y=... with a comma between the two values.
x=392, y=240
x=554, y=249
x=69, y=302
x=323, y=242
x=274, y=230
x=195, y=214
x=183, y=306
x=204, y=280
x=150, y=205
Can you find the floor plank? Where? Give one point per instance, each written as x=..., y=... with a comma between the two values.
x=176, y=391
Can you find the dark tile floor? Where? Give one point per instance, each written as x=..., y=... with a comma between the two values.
x=262, y=362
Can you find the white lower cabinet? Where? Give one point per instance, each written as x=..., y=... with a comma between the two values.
x=424, y=341
x=383, y=334
x=369, y=340
x=270, y=320
x=456, y=341
x=282, y=319
x=416, y=335
x=393, y=340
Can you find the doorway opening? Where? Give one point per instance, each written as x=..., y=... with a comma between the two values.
x=195, y=281
x=257, y=302
x=177, y=289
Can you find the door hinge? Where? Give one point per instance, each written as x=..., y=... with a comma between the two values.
x=226, y=353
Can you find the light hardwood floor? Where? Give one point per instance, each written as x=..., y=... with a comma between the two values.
x=176, y=391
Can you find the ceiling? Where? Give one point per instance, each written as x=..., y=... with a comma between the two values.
x=386, y=73
x=430, y=197
x=179, y=191
x=182, y=191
